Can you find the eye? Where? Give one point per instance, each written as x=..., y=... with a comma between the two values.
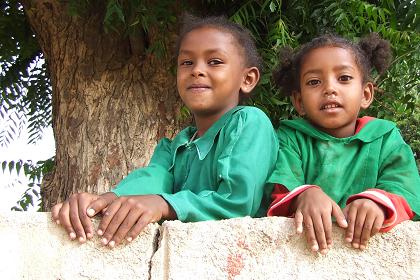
x=185, y=63
x=313, y=82
x=215, y=61
x=345, y=78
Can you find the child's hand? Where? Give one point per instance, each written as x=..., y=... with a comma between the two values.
x=127, y=216
x=74, y=214
x=365, y=219
x=314, y=209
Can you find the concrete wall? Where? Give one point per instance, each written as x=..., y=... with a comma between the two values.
x=35, y=248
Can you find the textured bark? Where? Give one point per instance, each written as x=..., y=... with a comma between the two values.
x=111, y=102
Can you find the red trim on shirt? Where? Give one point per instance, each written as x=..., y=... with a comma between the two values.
x=396, y=207
x=282, y=199
x=361, y=122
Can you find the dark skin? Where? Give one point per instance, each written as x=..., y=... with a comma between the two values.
x=210, y=78
x=123, y=217
x=362, y=219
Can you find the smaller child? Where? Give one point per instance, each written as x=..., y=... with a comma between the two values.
x=330, y=159
x=214, y=170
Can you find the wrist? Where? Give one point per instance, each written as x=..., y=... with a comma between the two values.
x=168, y=213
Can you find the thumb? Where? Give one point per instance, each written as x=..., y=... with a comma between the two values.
x=339, y=216
x=99, y=204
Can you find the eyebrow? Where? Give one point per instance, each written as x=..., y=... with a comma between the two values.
x=209, y=51
x=338, y=68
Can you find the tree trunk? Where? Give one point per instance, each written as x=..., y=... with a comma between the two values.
x=111, y=101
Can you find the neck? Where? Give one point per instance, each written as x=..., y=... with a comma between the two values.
x=342, y=132
x=204, y=121
x=203, y=124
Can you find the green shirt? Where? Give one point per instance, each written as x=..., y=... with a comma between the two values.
x=375, y=157
x=217, y=176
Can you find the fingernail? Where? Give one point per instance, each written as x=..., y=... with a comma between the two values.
x=90, y=212
x=324, y=251
x=104, y=241
x=315, y=248
x=129, y=239
x=81, y=239
x=345, y=223
x=111, y=243
x=362, y=247
x=100, y=232
x=57, y=222
x=329, y=246
x=72, y=235
x=356, y=245
x=89, y=235
x=299, y=229
x=348, y=239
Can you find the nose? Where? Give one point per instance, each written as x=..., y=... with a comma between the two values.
x=330, y=87
x=198, y=70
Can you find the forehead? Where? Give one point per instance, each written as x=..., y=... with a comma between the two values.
x=211, y=37
x=329, y=56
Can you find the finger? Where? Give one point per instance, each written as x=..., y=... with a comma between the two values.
x=358, y=227
x=75, y=219
x=117, y=220
x=98, y=205
x=83, y=201
x=55, y=212
x=339, y=216
x=64, y=219
x=366, y=232
x=377, y=224
x=351, y=217
x=107, y=218
x=299, y=221
x=128, y=223
x=320, y=234
x=327, y=223
x=142, y=222
x=310, y=234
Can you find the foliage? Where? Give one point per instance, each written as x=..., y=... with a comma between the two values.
x=34, y=172
x=25, y=88
x=25, y=92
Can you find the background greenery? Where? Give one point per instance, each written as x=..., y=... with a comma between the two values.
x=25, y=98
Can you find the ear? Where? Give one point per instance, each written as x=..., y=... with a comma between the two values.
x=368, y=93
x=251, y=78
x=296, y=98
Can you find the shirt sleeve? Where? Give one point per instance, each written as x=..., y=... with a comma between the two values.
x=288, y=170
x=398, y=172
x=152, y=179
x=396, y=208
x=248, y=157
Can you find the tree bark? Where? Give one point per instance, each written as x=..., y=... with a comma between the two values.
x=111, y=101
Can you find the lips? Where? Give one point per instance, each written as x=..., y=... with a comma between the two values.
x=330, y=106
x=198, y=87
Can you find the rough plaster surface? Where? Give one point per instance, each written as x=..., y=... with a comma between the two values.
x=35, y=248
x=268, y=248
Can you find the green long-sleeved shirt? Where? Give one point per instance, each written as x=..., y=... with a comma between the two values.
x=220, y=175
x=375, y=157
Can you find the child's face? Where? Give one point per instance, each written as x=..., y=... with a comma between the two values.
x=332, y=91
x=211, y=72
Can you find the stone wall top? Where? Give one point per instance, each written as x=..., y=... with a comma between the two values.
x=243, y=248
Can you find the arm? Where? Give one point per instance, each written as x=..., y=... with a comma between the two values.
x=242, y=169
x=394, y=199
x=152, y=179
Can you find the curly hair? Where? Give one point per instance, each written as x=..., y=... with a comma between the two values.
x=371, y=52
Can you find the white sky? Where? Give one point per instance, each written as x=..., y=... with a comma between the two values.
x=11, y=189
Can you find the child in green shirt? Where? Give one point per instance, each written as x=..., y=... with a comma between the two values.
x=214, y=170
x=330, y=160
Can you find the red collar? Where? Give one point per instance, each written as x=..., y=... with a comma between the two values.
x=361, y=122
